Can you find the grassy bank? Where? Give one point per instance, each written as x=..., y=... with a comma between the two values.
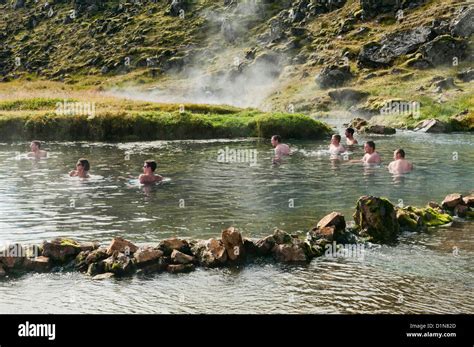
x=132, y=121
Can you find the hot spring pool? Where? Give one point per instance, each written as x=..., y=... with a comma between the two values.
x=202, y=196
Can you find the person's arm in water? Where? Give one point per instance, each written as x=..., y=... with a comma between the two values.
x=72, y=173
x=353, y=161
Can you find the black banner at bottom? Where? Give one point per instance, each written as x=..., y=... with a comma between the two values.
x=65, y=330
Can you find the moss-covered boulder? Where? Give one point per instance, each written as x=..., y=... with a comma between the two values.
x=61, y=250
x=376, y=219
x=119, y=264
x=85, y=258
x=419, y=219
x=409, y=221
x=378, y=129
x=463, y=121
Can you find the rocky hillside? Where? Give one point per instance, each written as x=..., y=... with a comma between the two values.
x=319, y=57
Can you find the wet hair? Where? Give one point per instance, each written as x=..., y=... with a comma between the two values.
x=401, y=152
x=371, y=144
x=337, y=137
x=37, y=143
x=350, y=131
x=84, y=163
x=277, y=138
x=151, y=164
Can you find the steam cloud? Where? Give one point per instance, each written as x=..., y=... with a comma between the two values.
x=245, y=83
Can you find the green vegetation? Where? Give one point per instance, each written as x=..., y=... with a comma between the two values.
x=206, y=122
x=457, y=113
x=29, y=104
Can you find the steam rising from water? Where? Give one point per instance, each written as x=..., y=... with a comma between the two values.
x=241, y=81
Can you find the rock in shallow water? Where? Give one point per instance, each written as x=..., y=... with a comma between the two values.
x=38, y=264
x=451, y=200
x=61, y=250
x=378, y=129
x=210, y=253
x=169, y=245
x=119, y=263
x=86, y=258
x=144, y=256
x=233, y=243
x=431, y=126
x=121, y=245
x=180, y=258
x=376, y=219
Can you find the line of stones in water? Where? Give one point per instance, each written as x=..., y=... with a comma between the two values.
x=376, y=220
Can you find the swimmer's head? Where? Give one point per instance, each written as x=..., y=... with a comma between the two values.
x=336, y=139
x=276, y=140
x=83, y=165
x=399, y=154
x=35, y=145
x=349, y=132
x=149, y=165
x=369, y=147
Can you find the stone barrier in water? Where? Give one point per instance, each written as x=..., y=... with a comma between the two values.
x=376, y=219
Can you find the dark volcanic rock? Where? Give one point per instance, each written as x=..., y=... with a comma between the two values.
x=466, y=75
x=382, y=54
x=348, y=96
x=333, y=76
x=444, y=50
x=463, y=24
